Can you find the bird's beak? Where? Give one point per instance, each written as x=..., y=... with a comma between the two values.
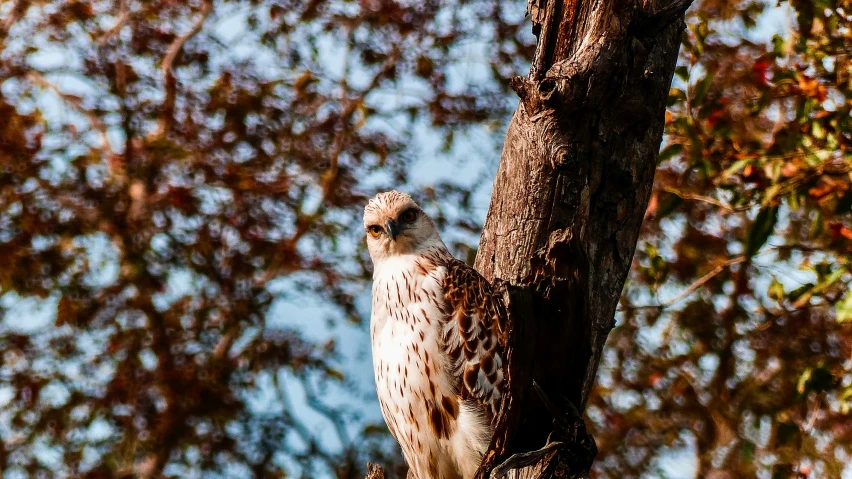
x=392, y=229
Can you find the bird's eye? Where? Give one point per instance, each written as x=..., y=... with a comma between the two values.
x=375, y=230
x=408, y=216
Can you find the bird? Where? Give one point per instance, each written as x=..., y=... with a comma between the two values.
x=438, y=337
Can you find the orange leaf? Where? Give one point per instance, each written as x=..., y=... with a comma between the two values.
x=838, y=230
x=820, y=190
x=652, y=206
x=811, y=87
x=789, y=169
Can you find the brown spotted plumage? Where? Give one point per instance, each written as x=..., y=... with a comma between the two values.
x=437, y=330
x=474, y=335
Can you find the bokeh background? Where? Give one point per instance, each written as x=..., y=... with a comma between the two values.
x=184, y=288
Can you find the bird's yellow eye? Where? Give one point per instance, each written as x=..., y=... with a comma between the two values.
x=374, y=231
x=408, y=216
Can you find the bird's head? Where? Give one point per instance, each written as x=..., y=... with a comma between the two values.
x=396, y=225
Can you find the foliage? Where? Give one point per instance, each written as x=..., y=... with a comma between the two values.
x=734, y=339
x=166, y=168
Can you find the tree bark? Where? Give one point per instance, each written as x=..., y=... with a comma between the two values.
x=566, y=209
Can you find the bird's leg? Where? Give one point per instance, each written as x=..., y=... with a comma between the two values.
x=569, y=447
x=569, y=428
x=526, y=459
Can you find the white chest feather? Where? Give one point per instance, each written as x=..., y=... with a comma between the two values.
x=442, y=437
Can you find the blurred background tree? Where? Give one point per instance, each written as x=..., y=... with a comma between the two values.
x=184, y=285
x=733, y=355
x=181, y=242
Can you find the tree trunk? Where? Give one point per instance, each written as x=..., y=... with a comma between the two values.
x=568, y=202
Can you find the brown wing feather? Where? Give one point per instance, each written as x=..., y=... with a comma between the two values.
x=474, y=336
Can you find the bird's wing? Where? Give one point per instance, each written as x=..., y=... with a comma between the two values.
x=474, y=335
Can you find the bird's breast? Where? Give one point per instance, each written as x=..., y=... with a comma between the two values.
x=441, y=437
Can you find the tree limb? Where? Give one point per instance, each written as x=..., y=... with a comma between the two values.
x=692, y=287
x=166, y=67
x=75, y=103
x=120, y=21
x=583, y=144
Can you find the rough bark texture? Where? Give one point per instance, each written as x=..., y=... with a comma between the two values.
x=573, y=185
x=568, y=201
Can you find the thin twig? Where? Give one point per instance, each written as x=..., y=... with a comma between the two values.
x=121, y=20
x=375, y=471
x=75, y=102
x=330, y=175
x=306, y=220
x=691, y=288
x=705, y=199
x=167, y=66
x=179, y=42
x=313, y=401
x=16, y=12
x=707, y=277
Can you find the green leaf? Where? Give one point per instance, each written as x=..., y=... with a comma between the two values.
x=843, y=308
x=822, y=270
x=735, y=168
x=817, y=226
x=669, y=152
x=375, y=429
x=769, y=194
x=448, y=140
x=816, y=379
x=668, y=203
x=794, y=201
x=776, y=290
x=747, y=451
x=803, y=381
x=800, y=291
x=701, y=89
x=828, y=278
x=676, y=95
x=761, y=229
x=845, y=401
x=778, y=44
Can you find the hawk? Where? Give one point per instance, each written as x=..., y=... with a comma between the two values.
x=438, y=338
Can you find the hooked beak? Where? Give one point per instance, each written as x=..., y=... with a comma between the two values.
x=392, y=228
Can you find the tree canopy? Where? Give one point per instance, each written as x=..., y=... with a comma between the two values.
x=734, y=337
x=171, y=172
